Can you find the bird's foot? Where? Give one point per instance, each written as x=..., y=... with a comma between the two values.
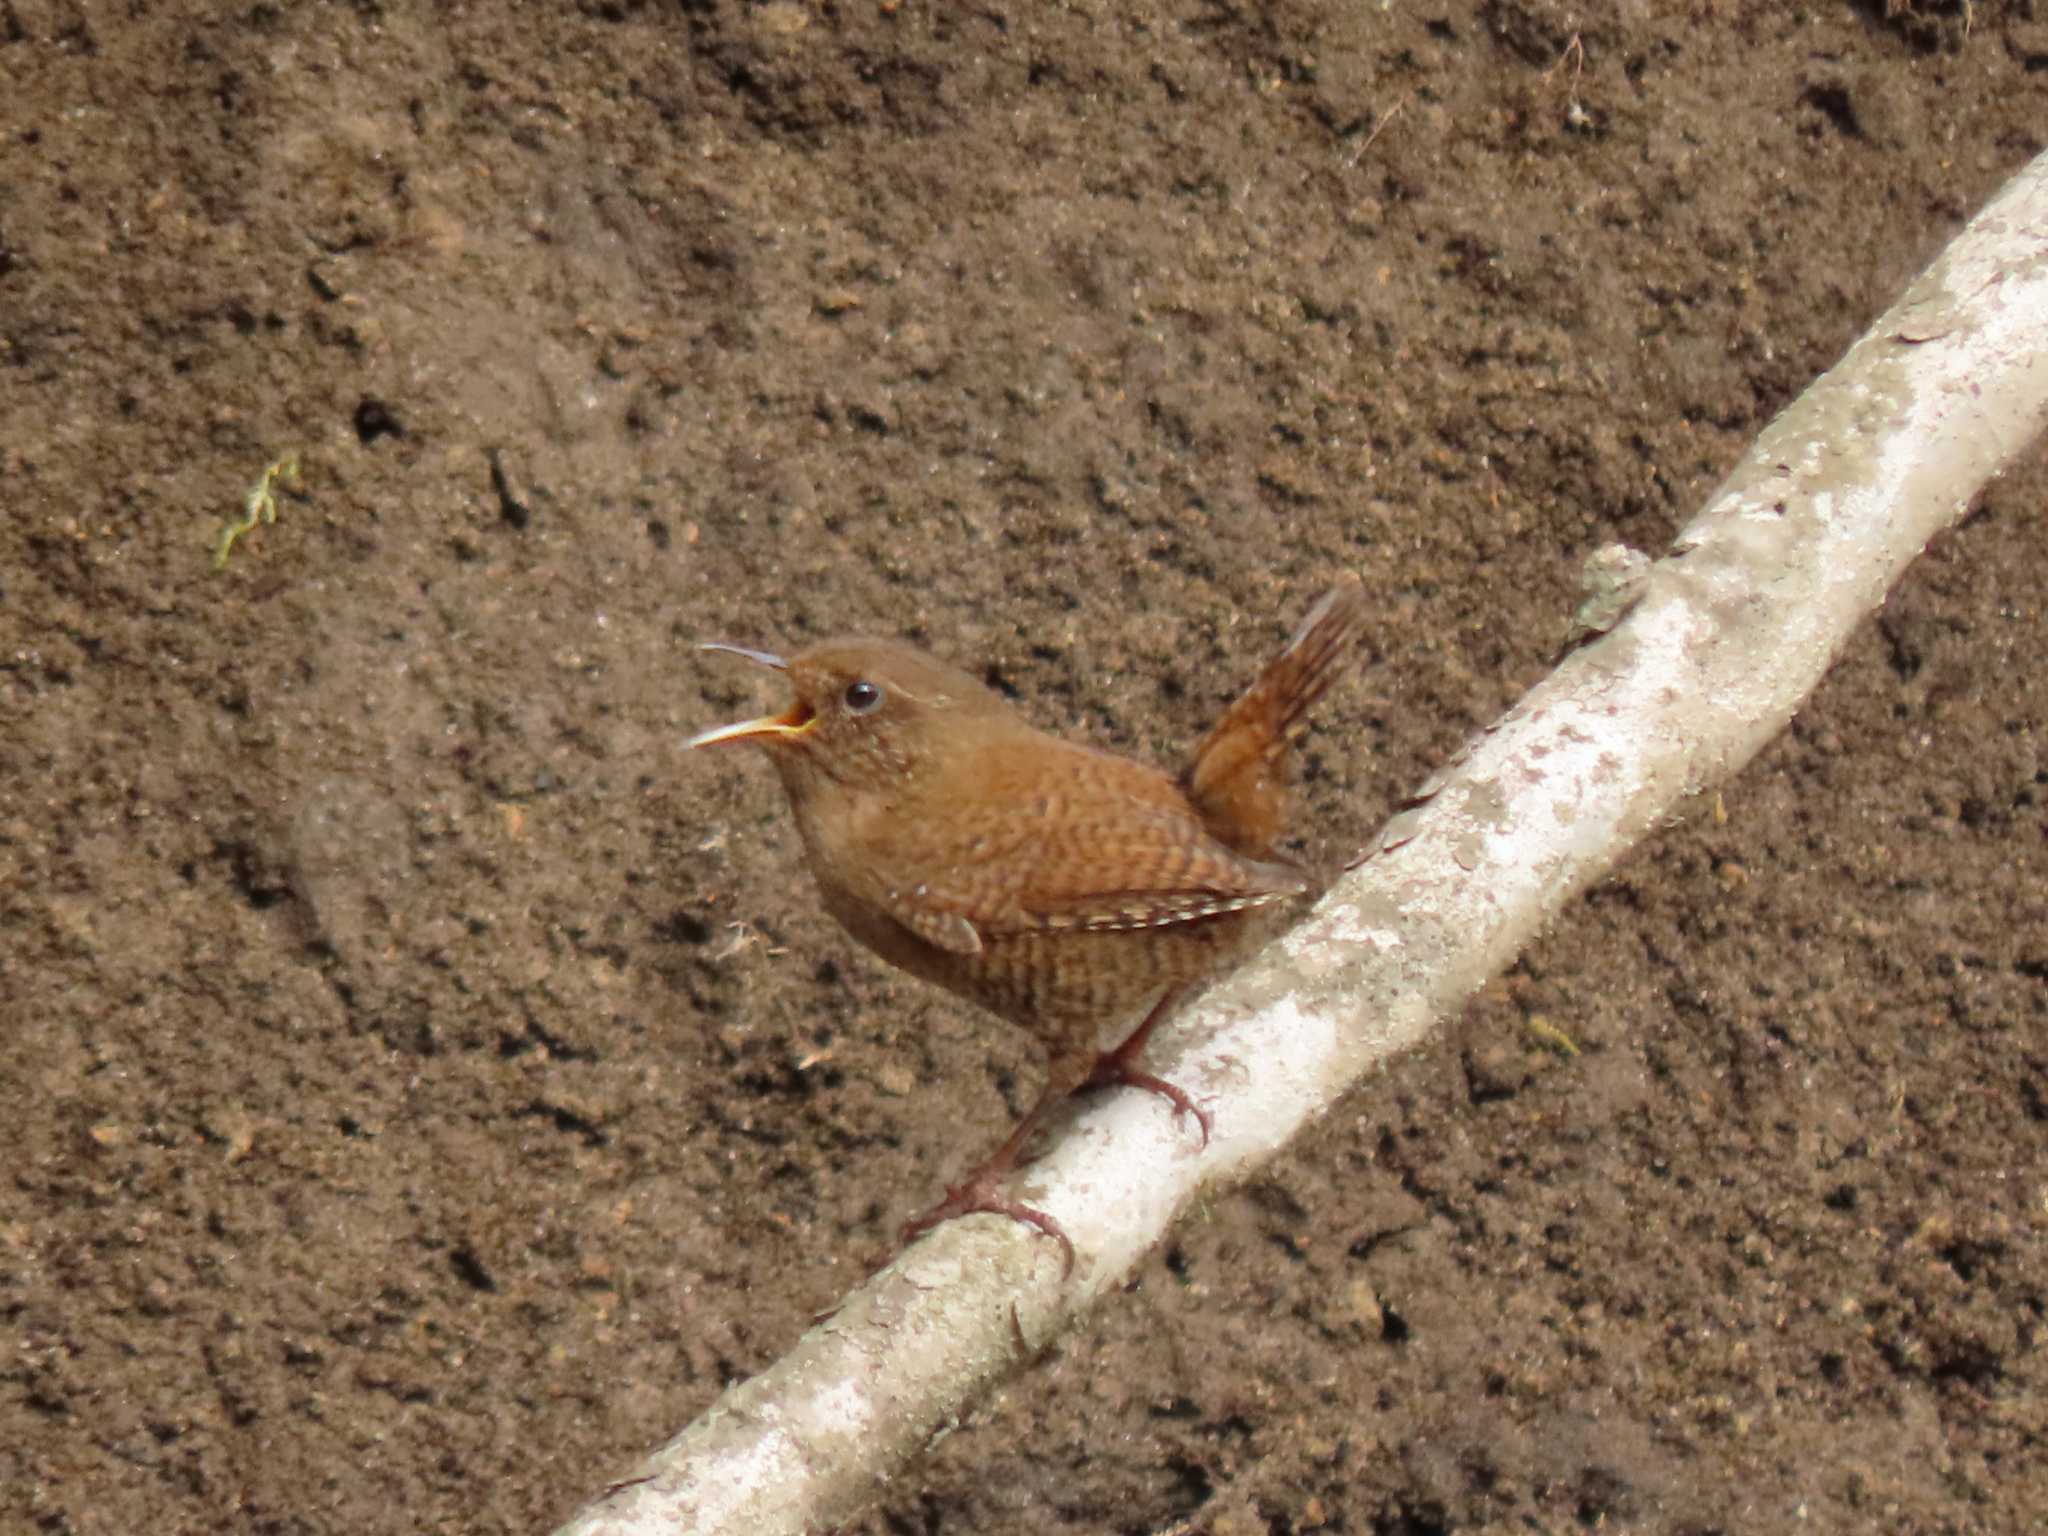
x=1114, y=1069
x=1111, y=1072
x=978, y=1192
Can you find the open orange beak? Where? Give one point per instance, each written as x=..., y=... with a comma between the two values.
x=788, y=725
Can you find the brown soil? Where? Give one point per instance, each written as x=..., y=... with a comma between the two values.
x=424, y=1086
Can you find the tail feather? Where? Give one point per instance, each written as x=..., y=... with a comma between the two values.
x=1238, y=777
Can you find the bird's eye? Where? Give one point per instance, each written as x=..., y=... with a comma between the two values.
x=862, y=697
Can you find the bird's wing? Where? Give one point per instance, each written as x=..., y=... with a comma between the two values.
x=1112, y=845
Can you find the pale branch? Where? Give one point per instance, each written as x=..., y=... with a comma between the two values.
x=1732, y=630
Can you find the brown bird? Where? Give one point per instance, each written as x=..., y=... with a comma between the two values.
x=1065, y=889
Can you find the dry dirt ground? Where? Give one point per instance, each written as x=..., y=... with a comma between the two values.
x=424, y=1086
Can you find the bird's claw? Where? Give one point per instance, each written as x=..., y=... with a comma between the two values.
x=980, y=1194
x=1113, y=1073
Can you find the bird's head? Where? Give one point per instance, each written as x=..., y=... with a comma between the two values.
x=866, y=712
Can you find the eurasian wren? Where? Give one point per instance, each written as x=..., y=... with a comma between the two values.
x=1060, y=887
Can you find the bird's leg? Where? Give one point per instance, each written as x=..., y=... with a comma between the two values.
x=1113, y=1068
x=979, y=1192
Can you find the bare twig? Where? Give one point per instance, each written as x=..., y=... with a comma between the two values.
x=1378, y=128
